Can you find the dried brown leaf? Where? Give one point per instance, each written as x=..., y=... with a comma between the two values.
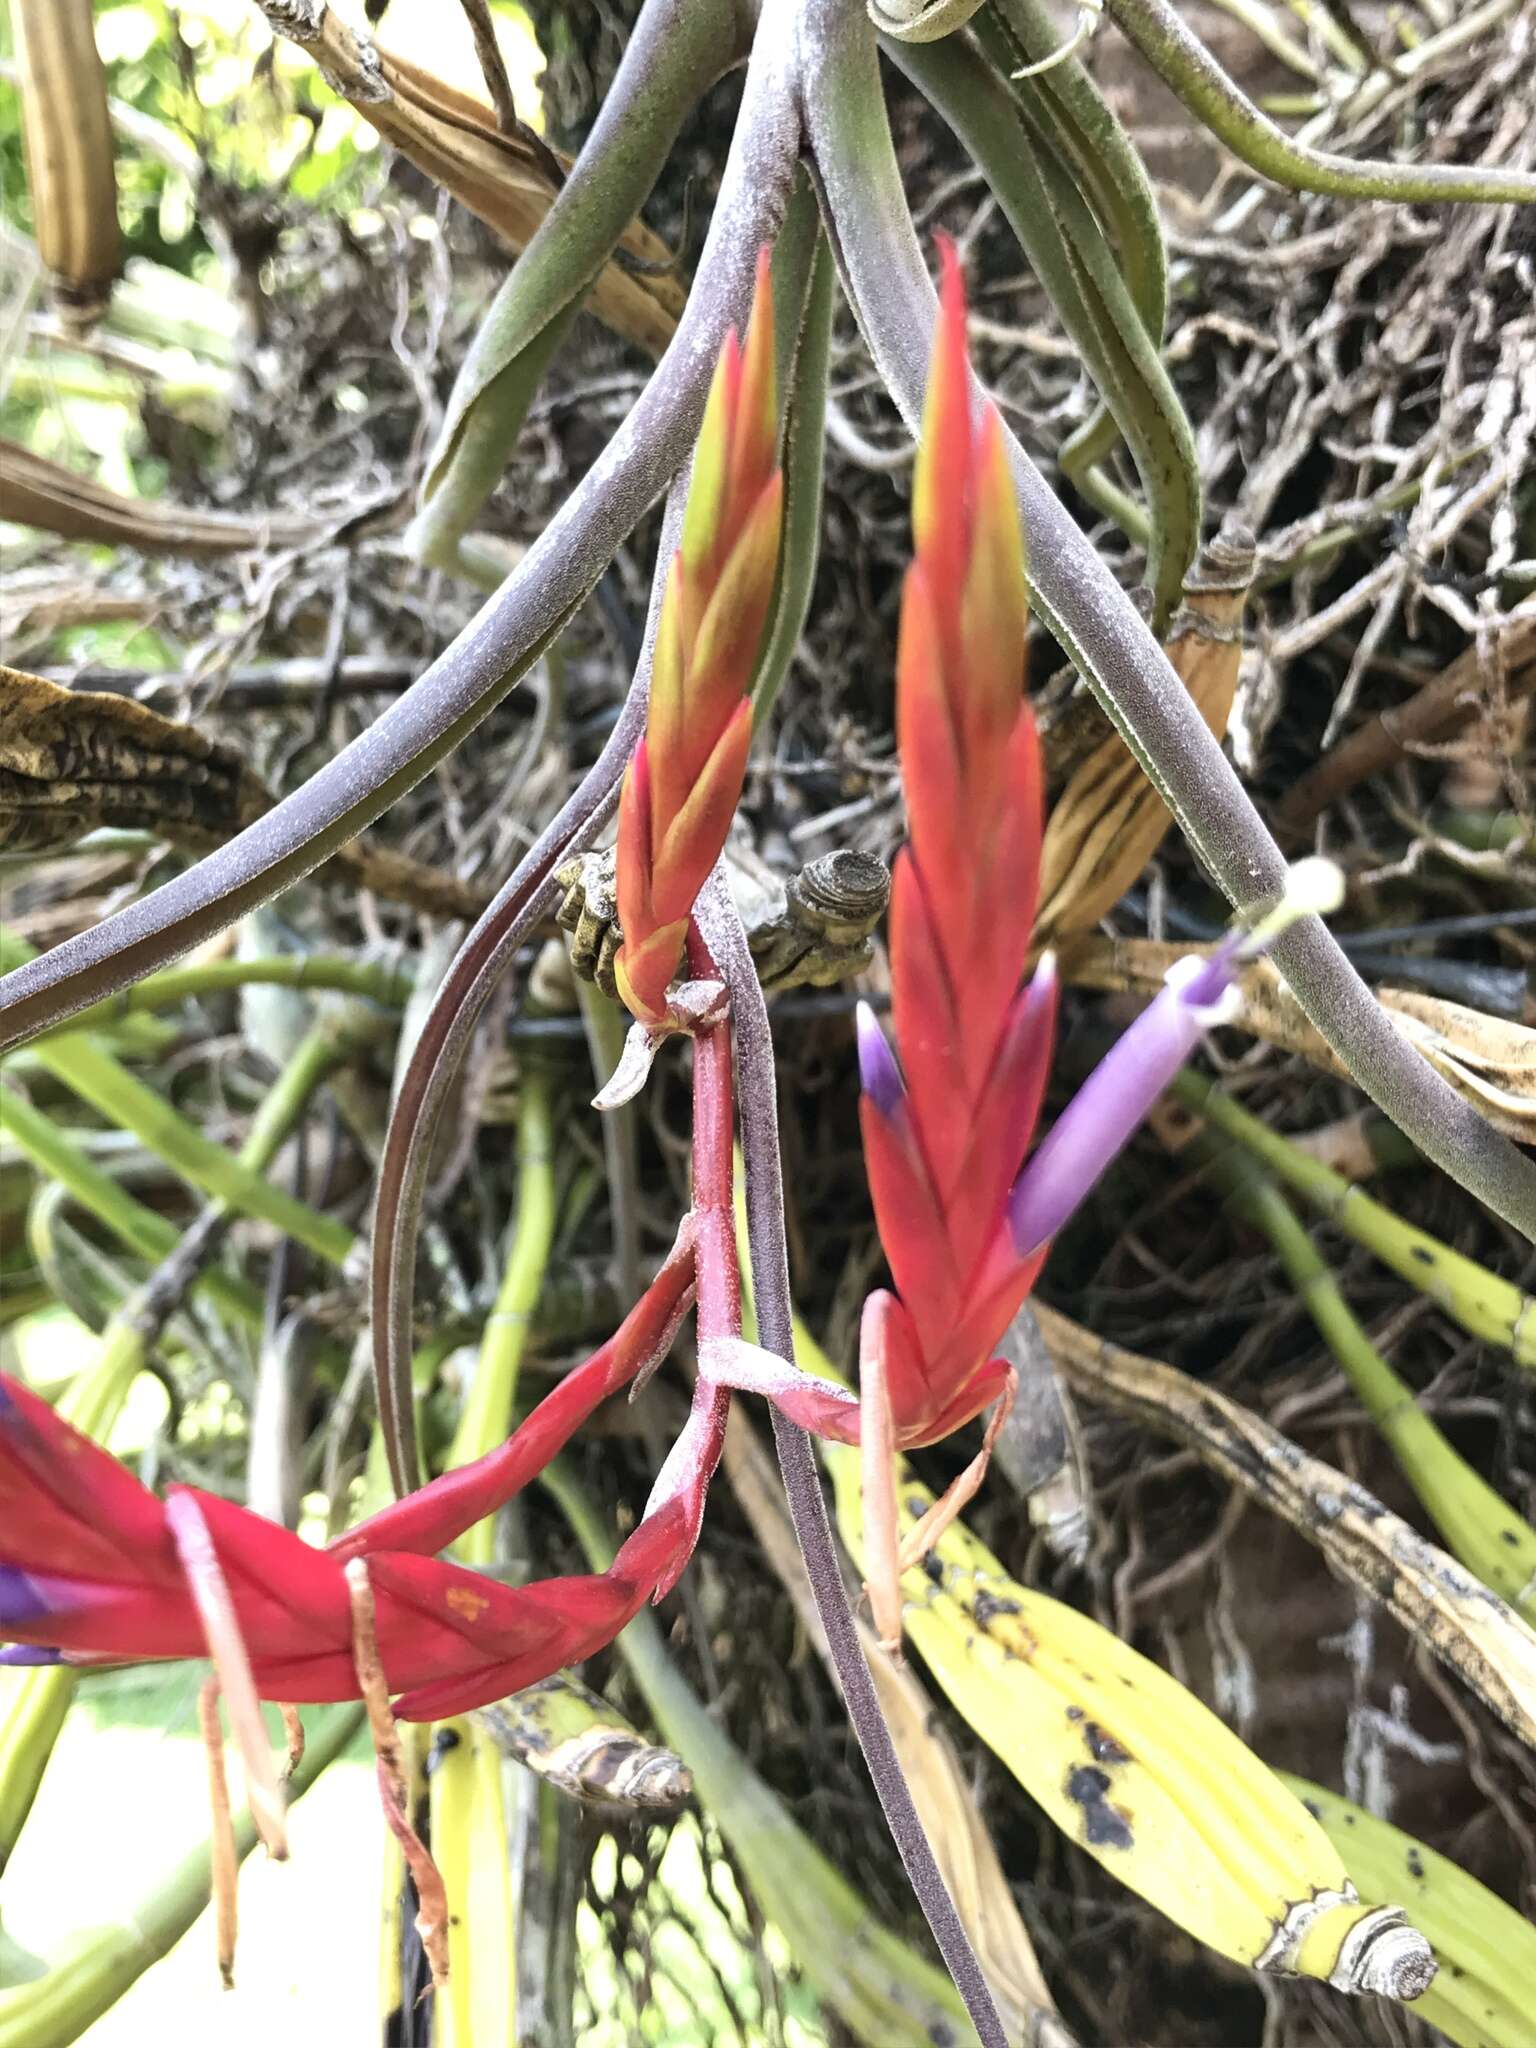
x=508, y=181
x=36, y=492
x=1109, y=821
x=72, y=761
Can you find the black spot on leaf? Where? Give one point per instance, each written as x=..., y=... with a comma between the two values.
x=1104, y=1826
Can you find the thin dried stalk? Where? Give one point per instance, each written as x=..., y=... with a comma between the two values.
x=36, y=492
x=224, y=1862
x=1442, y=1606
x=394, y=1786
x=68, y=140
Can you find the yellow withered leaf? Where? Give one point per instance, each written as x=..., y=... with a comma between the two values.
x=1127, y=1762
x=1136, y=1770
x=1109, y=820
x=469, y=1830
x=1485, y=1949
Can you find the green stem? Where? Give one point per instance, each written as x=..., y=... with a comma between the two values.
x=488, y=1412
x=125, y=1101
x=886, y=1995
x=369, y=979
x=324, y=1047
x=1039, y=191
x=1479, y=1528
x=1108, y=161
x=1185, y=64
x=53, y=2010
x=802, y=267
x=1063, y=105
x=152, y=1236
x=96, y=1077
x=132, y=1222
x=1480, y=1301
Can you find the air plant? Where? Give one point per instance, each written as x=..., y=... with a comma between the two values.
x=98, y=1569
x=964, y=1222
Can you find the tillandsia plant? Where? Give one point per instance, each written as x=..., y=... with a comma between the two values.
x=964, y=1222
x=95, y=1568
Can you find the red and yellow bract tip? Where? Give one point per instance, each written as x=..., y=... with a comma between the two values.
x=684, y=783
x=944, y=1149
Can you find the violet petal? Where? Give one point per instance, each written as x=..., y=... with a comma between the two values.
x=879, y=1074
x=1111, y=1104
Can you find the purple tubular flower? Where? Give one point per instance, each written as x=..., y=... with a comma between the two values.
x=879, y=1074
x=1107, y=1110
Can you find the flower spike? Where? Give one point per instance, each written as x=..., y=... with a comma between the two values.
x=948, y=1115
x=684, y=783
x=94, y=1568
x=945, y=1132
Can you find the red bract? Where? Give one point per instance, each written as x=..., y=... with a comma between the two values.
x=91, y=1569
x=946, y=1134
x=684, y=782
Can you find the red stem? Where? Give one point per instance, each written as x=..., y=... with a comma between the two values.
x=714, y=1127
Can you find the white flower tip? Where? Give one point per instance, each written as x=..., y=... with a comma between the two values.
x=642, y=1042
x=1217, y=1002
x=1183, y=971
x=1313, y=885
